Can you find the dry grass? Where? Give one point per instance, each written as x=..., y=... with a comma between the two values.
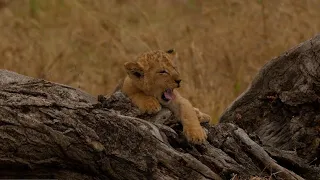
x=84, y=43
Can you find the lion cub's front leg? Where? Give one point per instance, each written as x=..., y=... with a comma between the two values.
x=183, y=109
x=145, y=103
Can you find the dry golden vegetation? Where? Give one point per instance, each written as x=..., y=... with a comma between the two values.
x=221, y=44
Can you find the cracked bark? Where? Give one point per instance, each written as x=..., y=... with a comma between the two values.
x=49, y=130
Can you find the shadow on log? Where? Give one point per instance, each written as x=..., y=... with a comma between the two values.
x=49, y=130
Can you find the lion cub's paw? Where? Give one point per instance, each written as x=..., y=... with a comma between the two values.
x=196, y=135
x=202, y=116
x=149, y=105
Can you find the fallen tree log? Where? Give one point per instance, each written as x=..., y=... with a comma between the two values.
x=49, y=130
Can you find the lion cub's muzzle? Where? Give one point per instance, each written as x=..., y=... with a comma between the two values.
x=168, y=94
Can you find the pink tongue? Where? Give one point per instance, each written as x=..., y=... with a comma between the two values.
x=168, y=94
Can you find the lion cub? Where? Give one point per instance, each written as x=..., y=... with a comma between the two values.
x=152, y=81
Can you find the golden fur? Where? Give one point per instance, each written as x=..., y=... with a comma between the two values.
x=152, y=81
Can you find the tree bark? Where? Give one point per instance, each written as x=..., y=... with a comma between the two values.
x=282, y=107
x=49, y=130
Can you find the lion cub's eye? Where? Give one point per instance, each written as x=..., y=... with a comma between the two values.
x=163, y=72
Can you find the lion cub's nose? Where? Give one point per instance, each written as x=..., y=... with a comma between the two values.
x=178, y=82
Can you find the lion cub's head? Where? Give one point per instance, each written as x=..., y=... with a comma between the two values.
x=155, y=74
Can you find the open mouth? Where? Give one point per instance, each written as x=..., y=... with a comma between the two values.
x=167, y=95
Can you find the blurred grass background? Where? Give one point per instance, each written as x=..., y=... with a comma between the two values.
x=221, y=44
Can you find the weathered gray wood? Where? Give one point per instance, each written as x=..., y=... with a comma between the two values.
x=55, y=131
x=282, y=107
x=50, y=130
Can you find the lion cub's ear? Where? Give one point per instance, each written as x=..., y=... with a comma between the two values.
x=134, y=70
x=171, y=51
x=174, y=55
